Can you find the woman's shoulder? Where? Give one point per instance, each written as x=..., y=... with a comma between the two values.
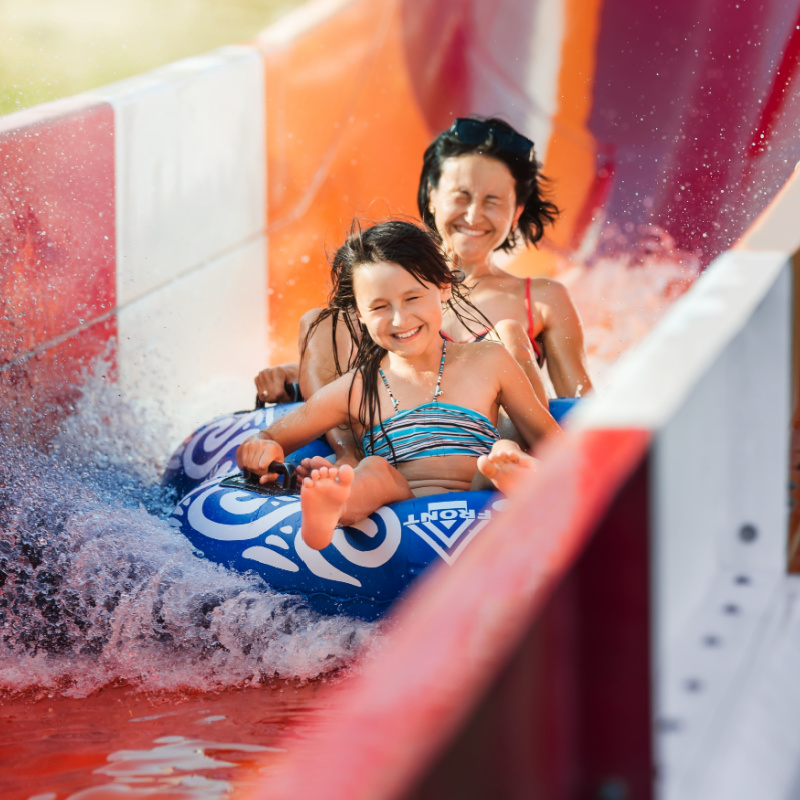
x=482, y=350
x=548, y=290
x=506, y=282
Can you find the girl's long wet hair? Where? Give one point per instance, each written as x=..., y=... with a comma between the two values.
x=412, y=248
x=530, y=184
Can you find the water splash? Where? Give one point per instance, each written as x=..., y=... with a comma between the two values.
x=96, y=588
x=626, y=289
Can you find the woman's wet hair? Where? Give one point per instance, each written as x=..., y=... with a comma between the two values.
x=414, y=249
x=501, y=143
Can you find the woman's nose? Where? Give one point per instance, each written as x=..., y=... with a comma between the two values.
x=472, y=213
x=399, y=316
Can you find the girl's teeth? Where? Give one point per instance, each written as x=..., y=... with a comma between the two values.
x=406, y=335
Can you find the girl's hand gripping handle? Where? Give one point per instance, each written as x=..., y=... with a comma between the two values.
x=256, y=454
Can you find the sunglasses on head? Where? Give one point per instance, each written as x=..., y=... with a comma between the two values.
x=475, y=131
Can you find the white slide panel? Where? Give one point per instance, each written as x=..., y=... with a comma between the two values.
x=720, y=472
x=190, y=165
x=198, y=342
x=653, y=380
x=712, y=383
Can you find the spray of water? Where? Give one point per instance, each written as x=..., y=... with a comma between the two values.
x=628, y=286
x=96, y=588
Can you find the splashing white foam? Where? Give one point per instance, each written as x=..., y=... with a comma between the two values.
x=622, y=296
x=98, y=589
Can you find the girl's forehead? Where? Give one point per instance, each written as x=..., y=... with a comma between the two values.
x=383, y=276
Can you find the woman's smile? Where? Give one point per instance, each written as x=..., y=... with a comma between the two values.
x=469, y=230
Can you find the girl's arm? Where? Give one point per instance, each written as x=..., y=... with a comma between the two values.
x=517, y=397
x=326, y=409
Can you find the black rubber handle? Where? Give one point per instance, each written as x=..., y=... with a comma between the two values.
x=287, y=471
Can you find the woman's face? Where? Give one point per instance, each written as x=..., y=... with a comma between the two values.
x=401, y=314
x=475, y=206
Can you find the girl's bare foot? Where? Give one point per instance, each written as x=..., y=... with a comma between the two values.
x=505, y=467
x=322, y=499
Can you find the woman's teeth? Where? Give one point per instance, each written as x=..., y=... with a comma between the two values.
x=470, y=231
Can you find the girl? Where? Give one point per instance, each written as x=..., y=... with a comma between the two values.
x=423, y=410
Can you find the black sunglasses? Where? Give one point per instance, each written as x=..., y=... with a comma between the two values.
x=475, y=131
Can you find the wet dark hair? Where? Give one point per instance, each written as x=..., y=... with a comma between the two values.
x=529, y=182
x=411, y=247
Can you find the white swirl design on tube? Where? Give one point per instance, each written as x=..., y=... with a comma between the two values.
x=239, y=503
x=269, y=557
x=381, y=554
x=219, y=438
x=230, y=531
x=316, y=562
x=216, y=433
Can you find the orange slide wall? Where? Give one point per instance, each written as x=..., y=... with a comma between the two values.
x=351, y=105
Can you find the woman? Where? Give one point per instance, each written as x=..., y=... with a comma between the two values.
x=479, y=191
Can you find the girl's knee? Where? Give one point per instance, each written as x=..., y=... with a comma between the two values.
x=380, y=469
x=514, y=338
x=510, y=329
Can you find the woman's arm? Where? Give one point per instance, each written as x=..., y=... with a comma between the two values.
x=515, y=339
x=562, y=336
x=317, y=368
x=271, y=383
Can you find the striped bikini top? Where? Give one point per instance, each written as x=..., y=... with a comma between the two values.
x=432, y=429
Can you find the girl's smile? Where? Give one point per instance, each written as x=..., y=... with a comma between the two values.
x=408, y=335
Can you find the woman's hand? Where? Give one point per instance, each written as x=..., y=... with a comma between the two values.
x=256, y=454
x=271, y=383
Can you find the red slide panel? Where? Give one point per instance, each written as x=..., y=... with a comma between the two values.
x=467, y=680
x=57, y=247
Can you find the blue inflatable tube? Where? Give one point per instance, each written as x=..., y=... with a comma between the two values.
x=365, y=568
x=250, y=528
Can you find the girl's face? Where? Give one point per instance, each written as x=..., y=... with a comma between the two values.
x=401, y=314
x=475, y=206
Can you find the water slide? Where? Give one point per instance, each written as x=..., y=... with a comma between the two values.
x=629, y=627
